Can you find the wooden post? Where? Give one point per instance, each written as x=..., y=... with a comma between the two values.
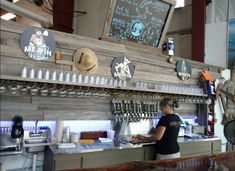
x=198, y=30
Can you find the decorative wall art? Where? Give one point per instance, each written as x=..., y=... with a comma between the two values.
x=37, y=43
x=122, y=68
x=183, y=69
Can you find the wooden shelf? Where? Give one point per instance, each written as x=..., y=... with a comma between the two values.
x=21, y=79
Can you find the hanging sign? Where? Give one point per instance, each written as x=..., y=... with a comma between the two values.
x=37, y=43
x=183, y=69
x=122, y=68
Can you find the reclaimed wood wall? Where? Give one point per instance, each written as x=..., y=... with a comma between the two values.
x=150, y=66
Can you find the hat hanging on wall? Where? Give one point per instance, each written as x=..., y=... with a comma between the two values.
x=85, y=60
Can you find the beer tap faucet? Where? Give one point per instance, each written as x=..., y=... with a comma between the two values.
x=36, y=127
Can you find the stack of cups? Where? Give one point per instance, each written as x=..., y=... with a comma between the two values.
x=59, y=130
x=74, y=137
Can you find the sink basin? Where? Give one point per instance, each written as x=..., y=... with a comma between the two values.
x=35, y=141
x=36, y=145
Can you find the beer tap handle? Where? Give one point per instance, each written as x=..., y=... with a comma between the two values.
x=121, y=106
x=114, y=108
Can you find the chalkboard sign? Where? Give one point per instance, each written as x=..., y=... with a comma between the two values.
x=140, y=21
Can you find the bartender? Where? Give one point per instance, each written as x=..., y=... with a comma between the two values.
x=167, y=131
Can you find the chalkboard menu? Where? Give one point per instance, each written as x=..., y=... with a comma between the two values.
x=139, y=21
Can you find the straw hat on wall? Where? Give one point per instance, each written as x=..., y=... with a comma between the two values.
x=85, y=60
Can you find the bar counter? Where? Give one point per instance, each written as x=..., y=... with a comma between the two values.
x=115, y=153
x=114, y=145
x=219, y=162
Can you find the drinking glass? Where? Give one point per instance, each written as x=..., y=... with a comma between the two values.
x=47, y=75
x=39, y=74
x=120, y=84
x=67, y=77
x=2, y=87
x=124, y=83
x=97, y=80
x=34, y=89
x=54, y=91
x=86, y=79
x=102, y=81
x=115, y=83
x=74, y=77
x=71, y=91
x=54, y=76
x=44, y=91
x=80, y=78
x=32, y=73
x=24, y=72
x=61, y=76
x=62, y=91
x=111, y=82
x=92, y=80
x=23, y=89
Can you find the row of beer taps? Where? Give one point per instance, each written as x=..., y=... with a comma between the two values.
x=133, y=110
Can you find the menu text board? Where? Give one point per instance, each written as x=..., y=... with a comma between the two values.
x=139, y=21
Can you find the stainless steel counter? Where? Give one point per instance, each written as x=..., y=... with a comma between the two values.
x=115, y=145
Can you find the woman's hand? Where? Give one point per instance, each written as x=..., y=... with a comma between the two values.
x=141, y=137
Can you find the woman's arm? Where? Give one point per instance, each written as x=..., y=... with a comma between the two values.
x=155, y=137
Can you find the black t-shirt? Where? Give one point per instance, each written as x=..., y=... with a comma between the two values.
x=168, y=144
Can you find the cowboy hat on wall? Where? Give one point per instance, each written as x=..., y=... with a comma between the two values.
x=85, y=61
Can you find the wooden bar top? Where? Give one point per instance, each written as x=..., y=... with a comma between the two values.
x=218, y=162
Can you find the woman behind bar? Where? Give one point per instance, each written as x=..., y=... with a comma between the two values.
x=167, y=131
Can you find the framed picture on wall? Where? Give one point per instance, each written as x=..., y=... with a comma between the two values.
x=231, y=43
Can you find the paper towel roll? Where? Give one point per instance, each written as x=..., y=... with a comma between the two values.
x=59, y=130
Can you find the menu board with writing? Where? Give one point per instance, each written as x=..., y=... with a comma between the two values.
x=140, y=21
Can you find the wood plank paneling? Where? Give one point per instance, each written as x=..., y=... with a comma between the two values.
x=150, y=67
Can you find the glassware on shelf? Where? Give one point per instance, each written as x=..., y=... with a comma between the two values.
x=115, y=83
x=2, y=87
x=39, y=74
x=74, y=78
x=13, y=87
x=23, y=89
x=120, y=84
x=62, y=92
x=61, y=76
x=67, y=77
x=32, y=73
x=102, y=81
x=71, y=91
x=34, y=89
x=110, y=82
x=97, y=80
x=44, y=90
x=80, y=78
x=47, y=75
x=53, y=91
x=86, y=79
x=92, y=80
x=24, y=72
x=124, y=83
x=54, y=76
